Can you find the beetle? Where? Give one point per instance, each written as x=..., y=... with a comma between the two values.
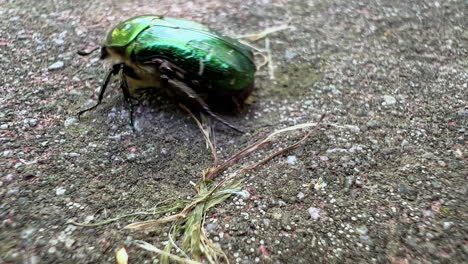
x=193, y=64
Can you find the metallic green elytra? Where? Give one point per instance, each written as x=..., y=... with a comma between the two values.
x=191, y=62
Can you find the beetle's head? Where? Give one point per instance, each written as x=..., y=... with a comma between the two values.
x=104, y=53
x=113, y=54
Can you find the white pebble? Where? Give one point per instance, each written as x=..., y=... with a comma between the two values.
x=291, y=159
x=60, y=191
x=389, y=100
x=314, y=212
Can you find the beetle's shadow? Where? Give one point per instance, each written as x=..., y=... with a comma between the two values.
x=161, y=112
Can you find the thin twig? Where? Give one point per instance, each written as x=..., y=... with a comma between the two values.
x=262, y=162
x=214, y=172
x=204, y=132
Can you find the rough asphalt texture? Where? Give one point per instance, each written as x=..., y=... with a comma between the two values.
x=388, y=185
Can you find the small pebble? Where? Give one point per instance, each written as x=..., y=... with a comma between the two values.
x=373, y=124
x=34, y=260
x=22, y=37
x=12, y=192
x=276, y=215
x=314, y=212
x=59, y=41
x=69, y=242
x=210, y=227
x=291, y=159
x=389, y=100
x=131, y=156
x=362, y=230
x=70, y=121
x=57, y=65
x=60, y=191
x=26, y=233
x=52, y=250
x=88, y=219
x=462, y=113
x=8, y=153
x=354, y=129
x=32, y=122
x=447, y=225
x=300, y=196
x=323, y=158
x=366, y=240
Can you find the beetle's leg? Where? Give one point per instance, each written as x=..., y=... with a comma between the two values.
x=167, y=67
x=182, y=87
x=115, y=69
x=127, y=97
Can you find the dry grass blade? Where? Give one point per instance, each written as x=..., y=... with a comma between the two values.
x=211, y=249
x=204, y=133
x=194, y=239
x=264, y=62
x=157, y=211
x=271, y=66
x=264, y=33
x=202, y=197
x=191, y=227
x=214, y=172
x=151, y=223
x=192, y=232
x=188, y=223
x=149, y=247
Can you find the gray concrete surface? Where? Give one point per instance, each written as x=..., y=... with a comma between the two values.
x=387, y=186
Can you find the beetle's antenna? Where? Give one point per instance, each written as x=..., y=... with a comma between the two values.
x=83, y=52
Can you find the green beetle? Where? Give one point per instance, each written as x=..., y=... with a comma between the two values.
x=193, y=63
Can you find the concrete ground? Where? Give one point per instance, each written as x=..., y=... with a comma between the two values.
x=384, y=180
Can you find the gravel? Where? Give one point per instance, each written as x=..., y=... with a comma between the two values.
x=56, y=65
x=389, y=100
x=383, y=180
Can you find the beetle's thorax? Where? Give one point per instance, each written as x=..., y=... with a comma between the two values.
x=138, y=76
